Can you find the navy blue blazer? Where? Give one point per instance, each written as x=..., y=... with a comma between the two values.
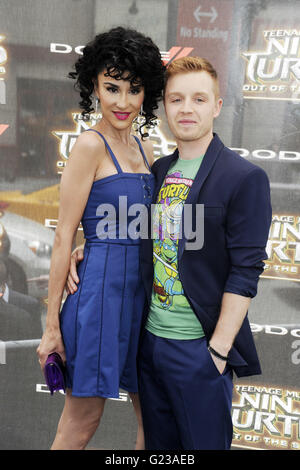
x=237, y=218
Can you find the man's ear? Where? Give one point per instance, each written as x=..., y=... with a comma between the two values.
x=218, y=107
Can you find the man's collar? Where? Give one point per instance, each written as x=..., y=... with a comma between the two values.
x=214, y=143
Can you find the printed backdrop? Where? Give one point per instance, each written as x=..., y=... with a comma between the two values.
x=254, y=45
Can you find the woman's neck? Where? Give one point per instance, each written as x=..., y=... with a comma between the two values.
x=106, y=128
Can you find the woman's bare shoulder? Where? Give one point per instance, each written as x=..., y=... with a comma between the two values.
x=90, y=141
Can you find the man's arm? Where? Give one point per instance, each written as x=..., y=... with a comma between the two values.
x=233, y=311
x=73, y=279
x=248, y=222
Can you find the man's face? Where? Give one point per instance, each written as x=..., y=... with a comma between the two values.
x=191, y=105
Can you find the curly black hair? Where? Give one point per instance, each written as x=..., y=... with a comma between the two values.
x=125, y=54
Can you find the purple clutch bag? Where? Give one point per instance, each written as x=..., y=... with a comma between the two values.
x=55, y=373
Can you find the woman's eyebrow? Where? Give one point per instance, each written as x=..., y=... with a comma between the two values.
x=111, y=84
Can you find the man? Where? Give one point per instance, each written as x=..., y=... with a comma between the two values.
x=196, y=328
x=200, y=301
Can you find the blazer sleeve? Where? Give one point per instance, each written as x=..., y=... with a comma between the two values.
x=248, y=222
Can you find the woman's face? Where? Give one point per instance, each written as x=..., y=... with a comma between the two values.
x=120, y=101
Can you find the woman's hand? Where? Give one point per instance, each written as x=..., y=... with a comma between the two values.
x=73, y=279
x=51, y=342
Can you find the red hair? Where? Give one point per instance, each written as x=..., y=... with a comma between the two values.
x=193, y=64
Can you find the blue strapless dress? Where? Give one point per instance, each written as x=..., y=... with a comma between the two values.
x=101, y=321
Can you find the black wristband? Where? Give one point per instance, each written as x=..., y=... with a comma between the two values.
x=215, y=353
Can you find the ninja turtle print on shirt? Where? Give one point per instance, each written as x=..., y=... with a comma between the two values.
x=170, y=314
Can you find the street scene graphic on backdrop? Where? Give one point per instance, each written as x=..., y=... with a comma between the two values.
x=3, y=60
x=206, y=27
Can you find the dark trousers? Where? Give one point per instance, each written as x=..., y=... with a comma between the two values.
x=186, y=402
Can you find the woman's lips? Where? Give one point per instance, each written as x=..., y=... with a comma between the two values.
x=120, y=115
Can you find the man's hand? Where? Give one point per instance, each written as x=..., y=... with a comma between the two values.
x=219, y=363
x=233, y=312
x=73, y=279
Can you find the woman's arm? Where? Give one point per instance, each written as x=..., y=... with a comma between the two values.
x=76, y=182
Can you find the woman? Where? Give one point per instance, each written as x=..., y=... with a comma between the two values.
x=98, y=328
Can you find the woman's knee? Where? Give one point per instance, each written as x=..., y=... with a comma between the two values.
x=80, y=420
x=85, y=429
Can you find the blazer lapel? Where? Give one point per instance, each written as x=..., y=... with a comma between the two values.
x=210, y=157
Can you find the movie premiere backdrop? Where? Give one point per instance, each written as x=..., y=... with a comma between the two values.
x=255, y=46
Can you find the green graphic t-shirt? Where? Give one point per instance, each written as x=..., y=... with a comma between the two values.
x=171, y=315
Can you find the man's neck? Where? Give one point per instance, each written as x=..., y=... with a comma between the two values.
x=188, y=150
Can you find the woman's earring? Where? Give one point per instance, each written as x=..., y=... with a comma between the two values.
x=135, y=125
x=97, y=101
x=142, y=118
x=139, y=120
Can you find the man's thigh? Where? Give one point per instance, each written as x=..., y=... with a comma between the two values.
x=199, y=398
x=160, y=428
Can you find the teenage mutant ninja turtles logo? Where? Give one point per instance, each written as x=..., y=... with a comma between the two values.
x=283, y=248
x=275, y=72
x=266, y=417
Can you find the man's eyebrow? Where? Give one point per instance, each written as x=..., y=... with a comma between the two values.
x=202, y=93
x=178, y=93
x=174, y=93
